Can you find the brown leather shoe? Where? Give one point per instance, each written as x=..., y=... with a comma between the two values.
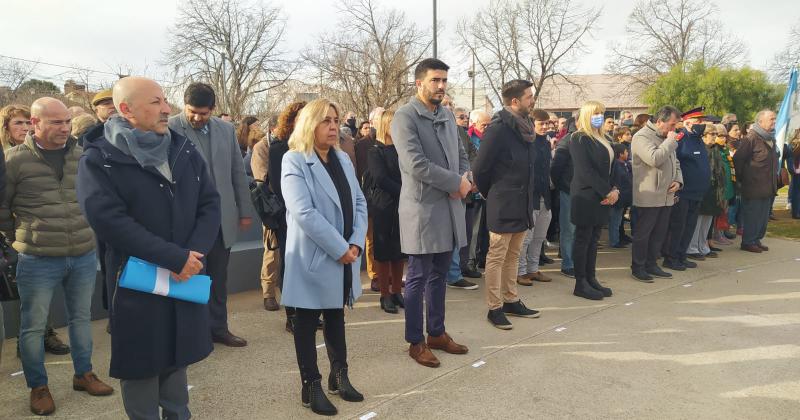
x=423, y=355
x=91, y=384
x=539, y=276
x=271, y=304
x=42, y=403
x=444, y=342
x=763, y=247
x=752, y=248
x=228, y=339
x=524, y=281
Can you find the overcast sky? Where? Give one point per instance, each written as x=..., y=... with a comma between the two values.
x=104, y=34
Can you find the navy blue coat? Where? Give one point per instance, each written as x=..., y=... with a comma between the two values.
x=137, y=212
x=623, y=180
x=696, y=169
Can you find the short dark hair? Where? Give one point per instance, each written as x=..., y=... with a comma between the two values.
x=514, y=89
x=200, y=95
x=429, y=64
x=621, y=131
x=666, y=112
x=619, y=149
x=540, y=115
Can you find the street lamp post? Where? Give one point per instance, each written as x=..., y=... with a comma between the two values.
x=435, y=55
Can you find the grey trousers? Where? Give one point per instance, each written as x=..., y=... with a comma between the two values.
x=142, y=397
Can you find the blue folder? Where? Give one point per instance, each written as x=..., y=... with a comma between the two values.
x=145, y=277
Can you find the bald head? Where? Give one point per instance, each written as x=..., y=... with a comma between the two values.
x=141, y=101
x=51, y=122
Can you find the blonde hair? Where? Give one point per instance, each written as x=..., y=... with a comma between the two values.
x=6, y=114
x=383, y=133
x=721, y=129
x=314, y=113
x=81, y=123
x=584, y=120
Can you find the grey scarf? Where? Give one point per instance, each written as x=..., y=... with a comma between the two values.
x=524, y=123
x=768, y=136
x=147, y=147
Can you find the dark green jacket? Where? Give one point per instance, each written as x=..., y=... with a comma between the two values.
x=40, y=213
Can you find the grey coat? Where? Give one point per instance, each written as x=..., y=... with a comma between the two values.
x=432, y=160
x=227, y=171
x=655, y=167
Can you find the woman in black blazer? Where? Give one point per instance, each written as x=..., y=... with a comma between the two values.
x=592, y=194
x=383, y=197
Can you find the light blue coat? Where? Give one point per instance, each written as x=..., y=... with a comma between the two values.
x=314, y=243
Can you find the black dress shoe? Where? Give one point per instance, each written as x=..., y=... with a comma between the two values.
x=471, y=273
x=712, y=254
x=314, y=398
x=674, y=265
x=715, y=249
x=398, y=300
x=696, y=257
x=642, y=276
x=339, y=383
x=584, y=290
x=229, y=340
x=689, y=264
x=544, y=259
x=656, y=271
x=388, y=306
x=53, y=344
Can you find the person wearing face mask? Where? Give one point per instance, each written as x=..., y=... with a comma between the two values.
x=349, y=124
x=713, y=202
x=696, y=171
x=592, y=195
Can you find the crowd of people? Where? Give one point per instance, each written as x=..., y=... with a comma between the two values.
x=428, y=194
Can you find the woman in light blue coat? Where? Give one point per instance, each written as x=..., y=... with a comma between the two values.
x=326, y=215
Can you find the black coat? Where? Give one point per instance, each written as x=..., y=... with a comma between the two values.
x=504, y=174
x=541, y=169
x=561, y=166
x=623, y=180
x=384, y=172
x=361, y=148
x=591, y=181
x=137, y=212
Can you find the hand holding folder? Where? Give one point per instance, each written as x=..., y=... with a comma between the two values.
x=193, y=266
x=145, y=277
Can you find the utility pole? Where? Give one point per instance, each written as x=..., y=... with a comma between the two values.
x=471, y=75
x=435, y=55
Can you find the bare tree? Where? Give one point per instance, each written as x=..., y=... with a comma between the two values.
x=536, y=40
x=788, y=57
x=232, y=45
x=663, y=34
x=367, y=61
x=13, y=73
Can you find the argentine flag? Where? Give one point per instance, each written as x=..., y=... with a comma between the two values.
x=788, y=119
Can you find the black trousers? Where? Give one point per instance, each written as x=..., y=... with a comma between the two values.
x=482, y=245
x=682, y=221
x=555, y=228
x=469, y=215
x=652, y=224
x=305, y=345
x=217, y=268
x=584, y=251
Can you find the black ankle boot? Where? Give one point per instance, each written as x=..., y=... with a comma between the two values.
x=584, y=290
x=314, y=398
x=388, y=305
x=339, y=383
x=398, y=300
x=599, y=287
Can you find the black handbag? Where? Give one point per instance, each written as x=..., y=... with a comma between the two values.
x=268, y=205
x=377, y=198
x=8, y=271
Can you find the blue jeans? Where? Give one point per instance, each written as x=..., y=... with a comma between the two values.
x=614, y=221
x=567, y=232
x=37, y=279
x=454, y=275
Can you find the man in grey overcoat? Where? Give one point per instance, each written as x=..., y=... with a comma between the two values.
x=434, y=167
x=216, y=141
